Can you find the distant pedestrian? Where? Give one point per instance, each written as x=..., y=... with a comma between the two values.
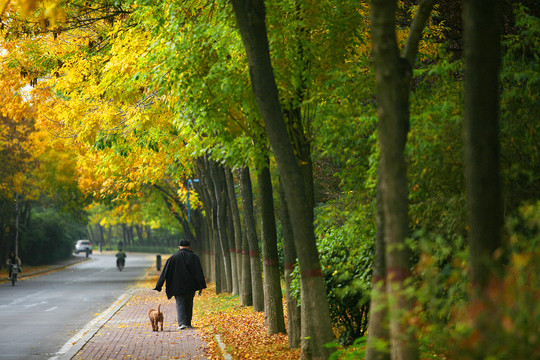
x=184, y=276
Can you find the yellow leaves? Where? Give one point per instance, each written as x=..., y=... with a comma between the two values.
x=53, y=13
x=12, y=105
x=14, y=110
x=521, y=260
x=26, y=6
x=49, y=13
x=241, y=329
x=19, y=179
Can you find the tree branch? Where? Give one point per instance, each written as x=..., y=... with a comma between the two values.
x=415, y=33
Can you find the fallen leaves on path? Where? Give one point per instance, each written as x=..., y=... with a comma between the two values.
x=240, y=329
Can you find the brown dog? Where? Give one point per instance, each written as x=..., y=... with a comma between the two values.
x=156, y=317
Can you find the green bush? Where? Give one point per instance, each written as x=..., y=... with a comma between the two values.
x=346, y=268
x=446, y=315
x=440, y=287
x=49, y=237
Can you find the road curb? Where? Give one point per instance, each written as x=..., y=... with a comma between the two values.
x=223, y=348
x=73, y=345
x=52, y=268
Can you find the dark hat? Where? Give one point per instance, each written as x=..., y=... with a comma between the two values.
x=184, y=242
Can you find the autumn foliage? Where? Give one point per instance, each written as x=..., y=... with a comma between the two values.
x=109, y=110
x=240, y=328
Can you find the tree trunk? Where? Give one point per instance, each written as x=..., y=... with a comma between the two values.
x=250, y=16
x=393, y=74
x=237, y=228
x=378, y=327
x=206, y=221
x=218, y=178
x=202, y=243
x=392, y=90
x=246, y=295
x=293, y=308
x=90, y=233
x=101, y=236
x=254, y=254
x=482, y=27
x=216, y=248
x=482, y=23
x=272, y=277
x=232, y=248
x=209, y=203
x=198, y=243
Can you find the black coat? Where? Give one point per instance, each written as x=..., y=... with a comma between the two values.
x=182, y=273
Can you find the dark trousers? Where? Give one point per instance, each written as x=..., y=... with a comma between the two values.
x=184, y=308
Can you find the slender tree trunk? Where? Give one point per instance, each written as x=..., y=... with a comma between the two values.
x=101, y=236
x=293, y=307
x=482, y=26
x=246, y=290
x=211, y=271
x=378, y=327
x=254, y=254
x=209, y=202
x=206, y=221
x=140, y=234
x=218, y=264
x=202, y=242
x=232, y=250
x=90, y=233
x=131, y=235
x=198, y=228
x=16, y=242
x=237, y=231
x=393, y=74
x=147, y=231
x=218, y=179
x=250, y=16
x=216, y=248
x=393, y=112
x=272, y=278
x=109, y=235
x=246, y=296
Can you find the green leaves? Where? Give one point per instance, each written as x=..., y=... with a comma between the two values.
x=346, y=259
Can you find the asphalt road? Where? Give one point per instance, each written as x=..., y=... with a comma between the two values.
x=40, y=314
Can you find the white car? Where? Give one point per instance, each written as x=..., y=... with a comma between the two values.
x=82, y=246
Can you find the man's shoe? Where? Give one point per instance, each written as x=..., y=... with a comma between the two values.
x=182, y=327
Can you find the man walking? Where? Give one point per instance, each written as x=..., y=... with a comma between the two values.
x=184, y=276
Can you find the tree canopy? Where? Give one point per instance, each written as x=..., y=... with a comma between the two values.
x=133, y=117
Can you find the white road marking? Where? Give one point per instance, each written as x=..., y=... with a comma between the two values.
x=35, y=304
x=21, y=299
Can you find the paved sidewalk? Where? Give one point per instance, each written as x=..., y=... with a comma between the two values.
x=128, y=334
